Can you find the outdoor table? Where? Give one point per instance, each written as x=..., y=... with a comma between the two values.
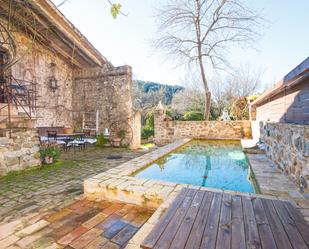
x=67, y=138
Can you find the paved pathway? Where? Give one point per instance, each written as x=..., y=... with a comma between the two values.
x=83, y=224
x=273, y=182
x=55, y=187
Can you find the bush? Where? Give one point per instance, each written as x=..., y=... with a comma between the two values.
x=101, y=141
x=193, y=116
x=50, y=151
x=240, y=109
x=147, y=132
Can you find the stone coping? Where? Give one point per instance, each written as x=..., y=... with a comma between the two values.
x=117, y=184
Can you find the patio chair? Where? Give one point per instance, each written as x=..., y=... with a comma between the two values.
x=52, y=139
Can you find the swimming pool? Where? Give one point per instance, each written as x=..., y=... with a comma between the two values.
x=208, y=163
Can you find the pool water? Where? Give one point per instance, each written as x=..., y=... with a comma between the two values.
x=215, y=164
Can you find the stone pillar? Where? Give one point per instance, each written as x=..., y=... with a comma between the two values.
x=160, y=125
x=136, y=124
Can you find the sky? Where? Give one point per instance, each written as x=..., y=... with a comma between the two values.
x=126, y=40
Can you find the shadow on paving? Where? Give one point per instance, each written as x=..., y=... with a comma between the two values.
x=55, y=186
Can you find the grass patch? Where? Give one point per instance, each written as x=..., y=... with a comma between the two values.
x=148, y=145
x=42, y=170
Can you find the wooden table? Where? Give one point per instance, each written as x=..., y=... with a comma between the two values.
x=208, y=220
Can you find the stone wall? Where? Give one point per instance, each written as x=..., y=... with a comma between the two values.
x=34, y=64
x=19, y=152
x=109, y=91
x=288, y=146
x=167, y=130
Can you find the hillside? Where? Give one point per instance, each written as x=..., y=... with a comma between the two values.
x=148, y=87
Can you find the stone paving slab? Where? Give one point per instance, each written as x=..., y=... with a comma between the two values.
x=99, y=225
x=273, y=182
x=42, y=190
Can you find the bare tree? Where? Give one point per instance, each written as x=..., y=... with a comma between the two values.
x=244, y=81
x=189, y=99
x=200, y=31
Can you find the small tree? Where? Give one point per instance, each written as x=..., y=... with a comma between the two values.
x=199, y=32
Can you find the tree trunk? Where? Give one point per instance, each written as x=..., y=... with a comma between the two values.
x=205, y=83
x=207, y=105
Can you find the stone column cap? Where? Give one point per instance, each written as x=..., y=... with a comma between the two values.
x=160, y=107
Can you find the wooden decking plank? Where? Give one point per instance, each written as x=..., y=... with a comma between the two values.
x=210, y=232
x=224, y=235
x=282, y=241
x=238, y=227
x=169, y=233
x=183, y=232
x=300, y=222
x=155, y=234
x=197, y=230
x=266, y=236
x=251, y=230
x=289, y=225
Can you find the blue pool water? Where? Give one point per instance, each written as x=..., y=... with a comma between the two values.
x=215, y=164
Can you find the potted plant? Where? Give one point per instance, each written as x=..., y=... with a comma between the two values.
x=49, y=154
x=68, y=130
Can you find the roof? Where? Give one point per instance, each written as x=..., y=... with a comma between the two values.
x=295, y=77
x=63, y=23
x=54, y=30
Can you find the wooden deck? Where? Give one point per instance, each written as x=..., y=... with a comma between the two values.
x=209, y=220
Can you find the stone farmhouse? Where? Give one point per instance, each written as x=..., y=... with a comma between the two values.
x=52, y=76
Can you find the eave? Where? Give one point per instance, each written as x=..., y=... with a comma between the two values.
x=55, y=32
x=297, y=76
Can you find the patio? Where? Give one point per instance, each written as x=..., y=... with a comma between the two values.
x=55, y=186
x=83, y=224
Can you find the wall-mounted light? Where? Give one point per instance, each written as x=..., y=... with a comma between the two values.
x=53, y=84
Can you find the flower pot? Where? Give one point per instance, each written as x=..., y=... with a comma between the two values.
x=68, y=130
x=48, y=160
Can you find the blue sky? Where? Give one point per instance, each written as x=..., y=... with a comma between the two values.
x=284, y=44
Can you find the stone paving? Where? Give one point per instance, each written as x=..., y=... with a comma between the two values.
x=83, y=224
x=55, y=187
x=273, y=182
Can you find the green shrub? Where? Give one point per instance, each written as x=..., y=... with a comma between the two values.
x=193, y=116
x=50, y=151
x=147, y=132
x=101, y=141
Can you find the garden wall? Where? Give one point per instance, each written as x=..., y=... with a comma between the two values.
x=19, y=152
x=288, y=146
x=167, y=131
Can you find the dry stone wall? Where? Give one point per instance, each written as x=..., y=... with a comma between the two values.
x=19, y=152
x=167, y=131
x=288, y=146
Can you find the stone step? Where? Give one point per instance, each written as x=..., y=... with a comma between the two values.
x=18, y=122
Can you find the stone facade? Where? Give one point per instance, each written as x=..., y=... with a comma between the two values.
x=19, y=152
x=86, y=81
x=109, y=91
x=288, y=147
x=35, y=64
x=167, y=131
